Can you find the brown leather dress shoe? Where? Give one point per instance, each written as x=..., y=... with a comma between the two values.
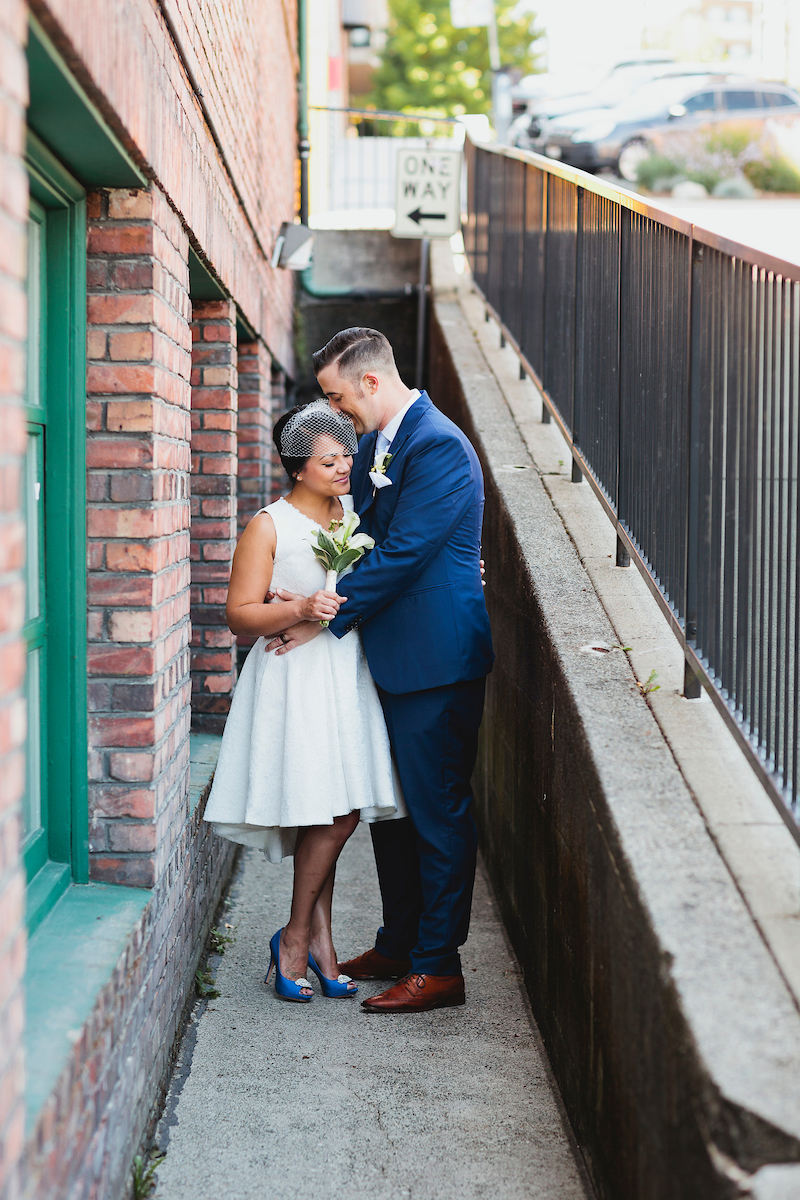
x=419, y=993
x=373, y=965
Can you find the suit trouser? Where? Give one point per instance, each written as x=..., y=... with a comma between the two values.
x=426, y=863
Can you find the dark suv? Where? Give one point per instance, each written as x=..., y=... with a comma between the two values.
x=619, y=138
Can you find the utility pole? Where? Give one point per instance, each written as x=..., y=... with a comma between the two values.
x=465, y=14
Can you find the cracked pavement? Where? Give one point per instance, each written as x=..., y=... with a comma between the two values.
x=270, y=1098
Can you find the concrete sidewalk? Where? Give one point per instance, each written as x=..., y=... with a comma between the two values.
x=269, y=1099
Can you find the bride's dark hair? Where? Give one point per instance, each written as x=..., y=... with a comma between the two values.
x=323, y=423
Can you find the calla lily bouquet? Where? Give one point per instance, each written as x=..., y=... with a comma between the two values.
x=340, y=548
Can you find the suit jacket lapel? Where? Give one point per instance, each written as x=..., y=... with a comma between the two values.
x=362, y=485
x=363, y=489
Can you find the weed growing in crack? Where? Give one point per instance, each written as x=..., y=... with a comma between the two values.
x=650, y=685
x=219, y=939
x=143, y=1174
x=204, y=981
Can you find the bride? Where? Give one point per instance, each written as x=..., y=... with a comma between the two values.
x=305, y=751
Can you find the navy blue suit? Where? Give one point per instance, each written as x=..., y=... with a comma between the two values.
x=418, y=601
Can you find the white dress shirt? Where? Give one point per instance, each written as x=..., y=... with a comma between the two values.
x=387, y=435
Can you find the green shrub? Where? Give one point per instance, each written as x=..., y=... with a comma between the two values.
x=656, y=168
x=718, y=158
x=773, y=175
x=735, y=140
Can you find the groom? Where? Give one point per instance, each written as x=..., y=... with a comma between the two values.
x=418, y=601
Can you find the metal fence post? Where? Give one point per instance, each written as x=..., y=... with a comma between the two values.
x=577, y=337
x=543, y=251
x=623, y=558
x=691, y=684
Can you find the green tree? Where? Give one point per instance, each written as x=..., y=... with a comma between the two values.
x=427, y=65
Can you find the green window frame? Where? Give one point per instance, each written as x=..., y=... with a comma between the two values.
x=55, y=810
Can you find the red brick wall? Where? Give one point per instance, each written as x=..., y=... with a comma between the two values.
x=222, y=171
x=214, y=413
x=91, y=1125
x=281, y=401
x=243, y=57
x=243, y=108
x=255, y=430
x=139, y=345
x=13, y=214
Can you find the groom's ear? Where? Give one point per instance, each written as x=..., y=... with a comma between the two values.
x=370, y=382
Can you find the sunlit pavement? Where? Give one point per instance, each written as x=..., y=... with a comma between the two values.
x=769, y=225
x=273, y=1099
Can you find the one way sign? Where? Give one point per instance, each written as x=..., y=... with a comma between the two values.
x=427, y=203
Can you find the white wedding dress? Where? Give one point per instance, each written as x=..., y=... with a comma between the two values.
x=305, y=740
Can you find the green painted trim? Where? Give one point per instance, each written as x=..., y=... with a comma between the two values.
x=66, y=539
x=71, y=957
x=65, y=801
x=203, y=755
x=35, y=858
x=50, y=183
x=45, y=888
x=202, y=284
x=64, y=116
x=244, y=330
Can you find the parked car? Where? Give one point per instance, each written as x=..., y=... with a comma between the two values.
x=624, y=79
x=619, y=138
x=531, y=90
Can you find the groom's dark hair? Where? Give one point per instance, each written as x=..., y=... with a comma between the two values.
x=355, y=351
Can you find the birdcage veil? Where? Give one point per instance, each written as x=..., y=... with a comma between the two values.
x=301, y=431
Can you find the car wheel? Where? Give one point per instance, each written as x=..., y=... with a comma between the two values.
x=631, y=158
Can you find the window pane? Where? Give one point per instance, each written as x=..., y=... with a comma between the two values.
x=704, y=102
x=32, y=805
x=740, y=100
x=34, y=522
x=778, y=100
x=35, y=289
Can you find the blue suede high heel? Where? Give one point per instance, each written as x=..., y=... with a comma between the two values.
x=334, y=989
x=287, y=989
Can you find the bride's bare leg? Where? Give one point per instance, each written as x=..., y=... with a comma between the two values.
x=315, y=858
x=321, y=944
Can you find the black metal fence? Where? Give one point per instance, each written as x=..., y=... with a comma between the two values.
x=669, y=357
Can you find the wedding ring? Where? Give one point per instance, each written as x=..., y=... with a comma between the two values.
x=282, y=637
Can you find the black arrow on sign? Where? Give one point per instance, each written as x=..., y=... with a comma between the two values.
x=421, y=216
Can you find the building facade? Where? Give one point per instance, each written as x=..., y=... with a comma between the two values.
x=147, y=159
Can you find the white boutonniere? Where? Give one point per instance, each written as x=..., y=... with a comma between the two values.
x=378, y=472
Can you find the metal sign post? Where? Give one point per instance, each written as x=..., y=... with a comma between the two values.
x=424, y=255
x=427, y=204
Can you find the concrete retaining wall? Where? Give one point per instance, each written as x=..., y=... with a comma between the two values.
x=674, y=1039
x=358, y=258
